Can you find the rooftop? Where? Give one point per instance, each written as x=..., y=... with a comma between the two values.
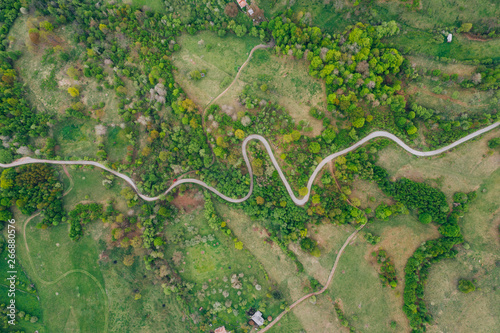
x=257, y=318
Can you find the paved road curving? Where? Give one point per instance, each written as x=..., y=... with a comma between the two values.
x=297, y=201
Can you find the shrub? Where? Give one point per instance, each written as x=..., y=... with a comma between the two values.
x=74, y=92
x=425, y=218
x=466, y=286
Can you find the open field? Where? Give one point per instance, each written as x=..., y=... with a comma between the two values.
x=46, y=78
x=450, y=100
x=288, y=80
x=426, y=63
x=312, y=317
x=210, y=264
x=358, y=289
x=219, y=56
x=74, y=302
x=462, y=169
x=420, y=43
x=477, y=311
x=289, y=84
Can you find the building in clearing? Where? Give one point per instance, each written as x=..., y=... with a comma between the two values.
x=257, y=318
x=221, y=329
x=242, y=3
x=450, y=37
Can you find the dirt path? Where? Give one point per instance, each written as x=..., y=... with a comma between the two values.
x=260, y=46
x=471, y=37
x=80, y=271
x=330, y=278
x=71, y=183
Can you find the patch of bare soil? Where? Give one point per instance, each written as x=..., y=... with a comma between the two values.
x=190, y=200
x=472, y=37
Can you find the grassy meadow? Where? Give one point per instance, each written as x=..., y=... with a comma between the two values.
x=478, y=260
x=219, y=56
x=209, y=259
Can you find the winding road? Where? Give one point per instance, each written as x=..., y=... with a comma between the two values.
x=296, y=200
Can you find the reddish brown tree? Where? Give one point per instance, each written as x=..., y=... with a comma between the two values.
x=231, y=9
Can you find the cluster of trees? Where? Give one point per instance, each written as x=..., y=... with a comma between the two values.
x=31, y=188
x=416, y=270
x=430, y=203
x=9, y=10
x=357, y=68
x=18, y=121
x=81, y=215
x=387, y=269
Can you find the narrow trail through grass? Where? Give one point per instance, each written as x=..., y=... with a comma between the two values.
x=80, y=271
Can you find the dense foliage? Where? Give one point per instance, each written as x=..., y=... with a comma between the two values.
x=31, y=188
x=81, y=215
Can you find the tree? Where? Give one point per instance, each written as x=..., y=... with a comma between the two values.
x=231, y=9
x=425, y=218
x=263, y=87
x=73, y=73
x=314, y=147
x=239, y=134
x=240, y=30
x=328, y=135
x=359, y=122
x=465, y=27
x=494, y=143
x=73, y=91
x=466, y=286
x=5, y=156
x=303, y=191
x=295, y=135
x=195, y=75
x=129, y=260
x=46, y=25
x=238, y=245
x=411, y=130
x=158, y=242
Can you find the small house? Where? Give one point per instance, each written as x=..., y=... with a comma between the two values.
x=257, y=318
x=242, y=3
x=450, y=37
x=221, y=329
x=250, y=11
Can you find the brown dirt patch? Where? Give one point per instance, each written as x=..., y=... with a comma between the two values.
x=190, y=200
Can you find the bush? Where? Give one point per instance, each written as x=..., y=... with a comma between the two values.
x=425, y=218
x=466, y=286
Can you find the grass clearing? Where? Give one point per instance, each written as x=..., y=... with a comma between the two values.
x=477, y=311
x=357, y=286
x=426, y=64
x=461, y=170
x=461, y=48
x=208, y=259
x=289, y=84
x=449, y=99
x=219, y=56
x=75, y=303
